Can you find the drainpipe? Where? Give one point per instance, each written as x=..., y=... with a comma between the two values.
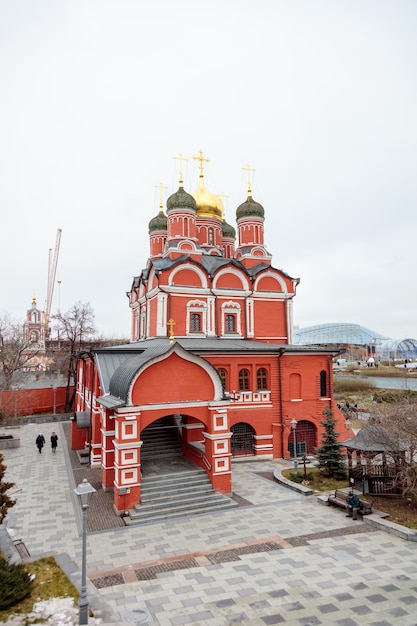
x=280, y=353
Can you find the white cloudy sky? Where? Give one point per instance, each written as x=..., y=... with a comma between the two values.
x=320, y=96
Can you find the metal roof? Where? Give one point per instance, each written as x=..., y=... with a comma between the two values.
x=117, y=365
x=374, y=438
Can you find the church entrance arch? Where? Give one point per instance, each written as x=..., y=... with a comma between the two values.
x=243, y=439
x=160, y=441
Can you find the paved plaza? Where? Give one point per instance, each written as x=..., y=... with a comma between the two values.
x=278, y=558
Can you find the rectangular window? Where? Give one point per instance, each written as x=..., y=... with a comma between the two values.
x=230, y=324
x=195, y=322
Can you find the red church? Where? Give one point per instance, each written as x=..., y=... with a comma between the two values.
x=211, y=352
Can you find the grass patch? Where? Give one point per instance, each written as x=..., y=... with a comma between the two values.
x=400, y=510
x=317, y=480
x=343, y=385
x=50, y=582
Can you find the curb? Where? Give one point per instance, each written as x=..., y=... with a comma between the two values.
x=305, y=491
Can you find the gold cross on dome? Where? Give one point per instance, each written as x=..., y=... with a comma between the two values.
x=249, y=169
x=171, y=325
x=201, y=158
x=180, y=158
x=160, y=187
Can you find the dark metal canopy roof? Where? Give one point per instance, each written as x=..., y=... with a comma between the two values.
x=375, y=438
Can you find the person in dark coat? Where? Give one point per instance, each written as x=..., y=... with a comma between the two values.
x=40, y=442
x=54, y=441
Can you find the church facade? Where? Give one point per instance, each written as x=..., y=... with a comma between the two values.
x=211, y=351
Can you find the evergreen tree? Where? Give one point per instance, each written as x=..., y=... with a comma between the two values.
x=5, y=501
x=331, y=459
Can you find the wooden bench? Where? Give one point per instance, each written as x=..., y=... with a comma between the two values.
x=340, y=499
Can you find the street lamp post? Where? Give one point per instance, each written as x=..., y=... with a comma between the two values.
x=84, y=492
x=294, y=427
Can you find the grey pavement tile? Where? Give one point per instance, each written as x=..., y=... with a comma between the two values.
x=409, y=599
x=225, y=602
x=191, y=602
x=293, y=606
x=376, y=598
x=278, y=593
x=363, y=609
x=246, y=591
x=273, y=619
x=328, y=608
x=397, y=611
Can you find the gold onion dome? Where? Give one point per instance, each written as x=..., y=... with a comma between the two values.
x=159, y=222
x=181, y=200
x=250, y=208
x=208, y=204
x=228, y=230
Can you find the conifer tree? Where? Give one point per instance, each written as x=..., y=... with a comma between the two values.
x=6, y=501
x=330, y=457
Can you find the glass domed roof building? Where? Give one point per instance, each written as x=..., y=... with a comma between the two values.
x=358, y=341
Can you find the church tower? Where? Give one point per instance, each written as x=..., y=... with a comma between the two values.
x=250, y=217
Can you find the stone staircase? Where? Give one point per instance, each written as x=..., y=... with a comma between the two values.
x=171, y=486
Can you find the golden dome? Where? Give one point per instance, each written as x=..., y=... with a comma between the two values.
x=208, y=204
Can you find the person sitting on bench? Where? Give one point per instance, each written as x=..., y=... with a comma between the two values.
x=352, y=506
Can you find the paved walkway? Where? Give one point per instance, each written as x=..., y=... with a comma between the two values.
x=280, y=558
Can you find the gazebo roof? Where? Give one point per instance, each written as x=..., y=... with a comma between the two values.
x=375, y=438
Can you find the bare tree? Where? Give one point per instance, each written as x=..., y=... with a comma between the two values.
x=397, y=435
x=15, y=352
x=76, y=327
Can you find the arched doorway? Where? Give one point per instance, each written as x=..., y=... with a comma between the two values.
x=160, y=440
x=243, y=439
x=305, y=436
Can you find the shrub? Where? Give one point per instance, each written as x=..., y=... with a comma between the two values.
x=15, y=584
x=299, y=477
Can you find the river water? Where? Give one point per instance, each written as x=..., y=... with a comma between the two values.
x=401, y=382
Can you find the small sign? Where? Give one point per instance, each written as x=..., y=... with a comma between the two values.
x=123, y=491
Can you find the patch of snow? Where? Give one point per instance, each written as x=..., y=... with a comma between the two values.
x=55, y=612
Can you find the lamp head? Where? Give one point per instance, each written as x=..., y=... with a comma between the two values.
x=84, y=492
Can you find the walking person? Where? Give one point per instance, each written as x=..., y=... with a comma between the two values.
x=54, y=441
x=40, y=442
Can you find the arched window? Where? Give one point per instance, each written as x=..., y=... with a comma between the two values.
x=223, y=375
x=195, y=322
x=243, y=379
x=230, y=323
x=262, y=378
x=210, y=237
x=323, y=383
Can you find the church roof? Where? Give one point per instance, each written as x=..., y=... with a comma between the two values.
x=117, y=365
x=181, y=200
x=159, y=222
x=250, y=208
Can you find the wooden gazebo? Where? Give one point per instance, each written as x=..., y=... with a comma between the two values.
x=378, y=463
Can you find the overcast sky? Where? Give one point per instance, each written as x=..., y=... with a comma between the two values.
x=319, y=96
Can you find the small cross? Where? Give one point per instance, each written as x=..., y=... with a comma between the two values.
x=201, y=158
x=249, y=169
x=180, y=158
x=171, y=325
x=160, y=187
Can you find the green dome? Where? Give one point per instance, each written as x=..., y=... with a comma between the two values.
x=250, y=208
x=159, y=222
x=228, y=230
x=181, y=200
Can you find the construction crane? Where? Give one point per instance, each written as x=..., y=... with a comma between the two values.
x=52, y=263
